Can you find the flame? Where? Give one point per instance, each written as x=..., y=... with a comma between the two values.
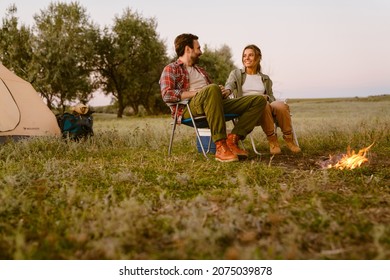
x=351, y=160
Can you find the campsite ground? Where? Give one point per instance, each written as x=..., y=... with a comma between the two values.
x=118, y=195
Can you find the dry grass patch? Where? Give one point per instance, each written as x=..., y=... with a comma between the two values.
x=118, y=195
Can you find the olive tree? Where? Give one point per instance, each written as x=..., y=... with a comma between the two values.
x=64, y=53
x=218, y=63
x=131, y=57
x=15, y=44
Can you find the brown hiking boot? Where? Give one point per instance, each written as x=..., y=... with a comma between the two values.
x=232, y=143
x=274, y=147
x=290, y=143
x=223, y=153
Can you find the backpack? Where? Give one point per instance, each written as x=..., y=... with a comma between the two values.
x=75, y=126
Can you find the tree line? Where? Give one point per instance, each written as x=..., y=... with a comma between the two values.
x=67, y=57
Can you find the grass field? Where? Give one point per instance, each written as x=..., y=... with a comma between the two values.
x=118, y=195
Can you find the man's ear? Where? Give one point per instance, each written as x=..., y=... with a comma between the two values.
x=187, y=49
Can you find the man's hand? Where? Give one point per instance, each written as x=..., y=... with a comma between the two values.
x=188, y=94
x=225, y=92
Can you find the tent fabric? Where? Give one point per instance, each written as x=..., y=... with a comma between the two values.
x=22, y=111
x=9, y=113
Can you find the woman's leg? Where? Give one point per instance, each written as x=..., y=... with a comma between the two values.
x=267, y=121
x=282, y=116
x=281, y=112
x=268, y=125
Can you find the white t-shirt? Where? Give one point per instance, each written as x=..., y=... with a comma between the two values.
x=253, y=85
x=197, y=81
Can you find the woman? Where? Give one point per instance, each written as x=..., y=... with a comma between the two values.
x=251, y=81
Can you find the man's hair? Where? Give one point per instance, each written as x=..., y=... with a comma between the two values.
x=184, y=40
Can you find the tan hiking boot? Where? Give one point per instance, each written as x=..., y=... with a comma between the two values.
x=223, y=153
x=290, y=143
x=232, y=143
x=274, y=147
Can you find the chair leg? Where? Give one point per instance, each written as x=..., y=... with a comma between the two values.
x=197, y=132
x=171, y=140
x=209, y=145
x=253, y=145
x=173, y=132
x=295, y=137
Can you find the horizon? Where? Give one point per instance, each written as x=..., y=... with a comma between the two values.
x=326, y=49
x=306, y=99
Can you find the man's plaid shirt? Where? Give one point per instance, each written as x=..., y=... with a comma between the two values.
x=174, y=80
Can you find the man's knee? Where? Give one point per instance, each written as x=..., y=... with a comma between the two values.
x=212, y=91
x=260, y=102
x=213, y=88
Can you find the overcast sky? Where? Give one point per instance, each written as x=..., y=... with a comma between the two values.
x=310, y=48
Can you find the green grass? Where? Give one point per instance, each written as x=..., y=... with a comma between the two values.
x=119, y=196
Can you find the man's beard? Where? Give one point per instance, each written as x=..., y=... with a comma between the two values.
x=195, y=60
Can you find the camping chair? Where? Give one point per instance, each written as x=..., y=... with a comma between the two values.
x=195, y=122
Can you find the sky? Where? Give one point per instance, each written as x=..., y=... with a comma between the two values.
x=311, y=48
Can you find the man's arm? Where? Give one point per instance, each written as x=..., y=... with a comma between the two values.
x=169, y=90
x=188, y=94
x=231, y=82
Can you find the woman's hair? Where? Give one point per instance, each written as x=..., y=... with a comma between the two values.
x=182, y=41
x=258, y=55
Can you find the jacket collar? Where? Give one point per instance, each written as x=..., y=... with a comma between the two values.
x=181, y=63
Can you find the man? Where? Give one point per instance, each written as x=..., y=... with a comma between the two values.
x=183, y=79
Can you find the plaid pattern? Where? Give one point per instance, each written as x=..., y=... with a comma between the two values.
x=173, y=81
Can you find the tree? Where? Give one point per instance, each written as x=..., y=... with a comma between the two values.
x=218, y=63
x=15, y=47
x=131, y=58
x=64, y=53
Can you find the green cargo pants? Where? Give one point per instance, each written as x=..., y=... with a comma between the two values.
x=209, y=102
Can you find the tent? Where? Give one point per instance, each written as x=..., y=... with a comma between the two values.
x=22, y=111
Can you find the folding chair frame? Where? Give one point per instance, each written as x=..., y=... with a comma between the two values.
x=196, y=123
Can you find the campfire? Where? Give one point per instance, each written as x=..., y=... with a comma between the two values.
x=350, y=160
